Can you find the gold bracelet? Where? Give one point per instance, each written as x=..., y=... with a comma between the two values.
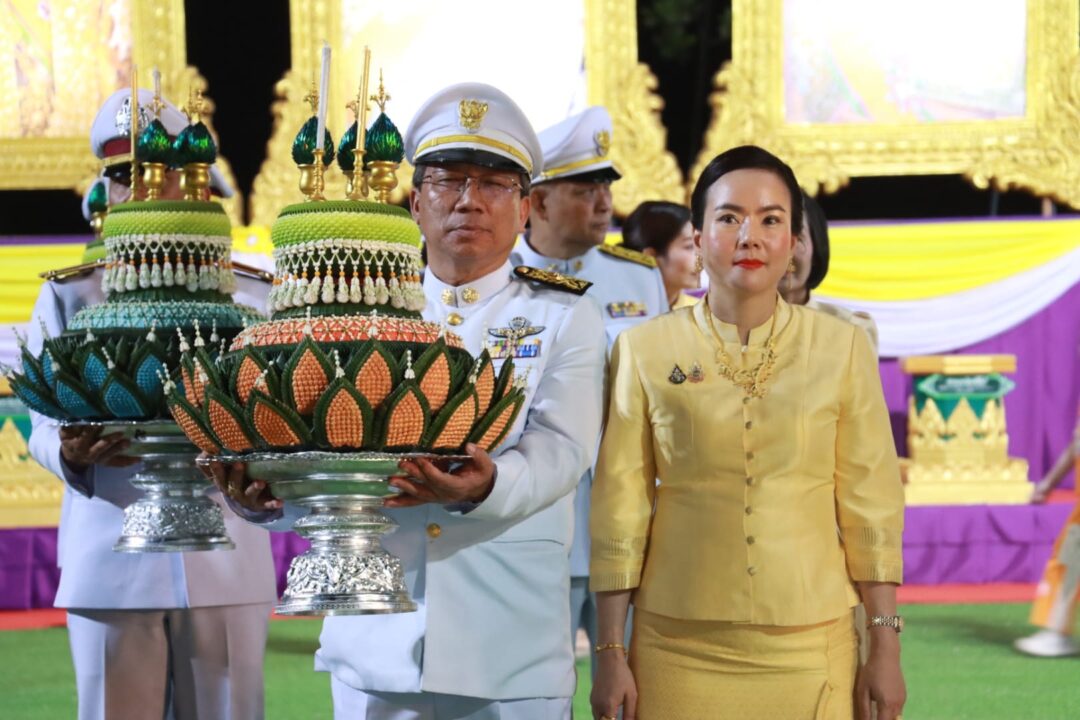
x=610, y=646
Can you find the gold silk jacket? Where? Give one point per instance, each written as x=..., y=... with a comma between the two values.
x=766, y=509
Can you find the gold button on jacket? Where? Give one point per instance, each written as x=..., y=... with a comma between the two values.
x=433, y=530
x=824, y=507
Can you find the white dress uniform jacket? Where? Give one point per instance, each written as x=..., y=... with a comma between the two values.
x=93, y=576
x=491, y=581
x=628, y=293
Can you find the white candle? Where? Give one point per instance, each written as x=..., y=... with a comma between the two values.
x=324, y=89
x=157, y=83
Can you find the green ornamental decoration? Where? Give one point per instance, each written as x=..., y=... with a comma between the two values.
x=303, y=149
x=346, y=154
x=384, y=142
x=154, y=145
x=98, y=201
x=194, y=144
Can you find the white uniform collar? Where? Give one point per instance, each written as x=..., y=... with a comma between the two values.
x=470, y=293
x=570, y=267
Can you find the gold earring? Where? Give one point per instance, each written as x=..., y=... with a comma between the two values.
x=791, y=266
x=699, y=263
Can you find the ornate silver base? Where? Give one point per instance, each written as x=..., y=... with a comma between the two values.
x=346, y=571
x=174, y=515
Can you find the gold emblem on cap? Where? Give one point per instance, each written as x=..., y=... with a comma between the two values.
x=471, y=113
x=447, y=296
x=470, y=295
x=603, y=142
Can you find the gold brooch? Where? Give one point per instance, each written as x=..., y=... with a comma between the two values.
x=677, y=376
x=447, y=296
x=471, y=114
x=470, y=295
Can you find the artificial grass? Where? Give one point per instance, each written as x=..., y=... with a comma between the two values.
x=958, y=660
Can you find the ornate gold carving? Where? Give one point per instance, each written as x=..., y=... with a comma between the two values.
x=29, y=494
x=471, y=113
x=156, y=31
x=1035, y=152
x=615, y=79
x=627, y=88
x=964, y=439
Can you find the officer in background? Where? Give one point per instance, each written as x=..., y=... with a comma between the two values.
x=570, y=218
x=152, y=635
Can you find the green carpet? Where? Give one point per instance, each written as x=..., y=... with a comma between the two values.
x=957, y=658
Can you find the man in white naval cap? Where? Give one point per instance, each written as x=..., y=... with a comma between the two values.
x=153, y=635
x=571, y=214
x=485, y=550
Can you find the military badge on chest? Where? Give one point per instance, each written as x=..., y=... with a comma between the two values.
x=512, y=341
x=678, y=377
x=626, y=309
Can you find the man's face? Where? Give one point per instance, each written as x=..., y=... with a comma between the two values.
x=579, y=213
x=468, y=213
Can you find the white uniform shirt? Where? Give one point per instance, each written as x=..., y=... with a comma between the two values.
x=628, y=293
x=492, y=584
x=92, y=514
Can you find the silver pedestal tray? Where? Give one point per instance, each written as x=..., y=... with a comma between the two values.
x=346, y=571
x=174, y=514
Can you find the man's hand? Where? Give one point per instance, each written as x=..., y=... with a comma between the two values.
x=427, y=483
x=232, y=481
x=81, y=447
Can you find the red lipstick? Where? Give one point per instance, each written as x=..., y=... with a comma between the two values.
x=750, y=264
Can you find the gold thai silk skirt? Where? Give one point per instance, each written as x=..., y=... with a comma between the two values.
x=720, y=670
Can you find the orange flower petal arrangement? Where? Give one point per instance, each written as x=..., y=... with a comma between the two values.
x=346, y=378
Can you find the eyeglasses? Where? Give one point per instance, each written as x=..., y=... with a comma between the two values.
x=490, y=189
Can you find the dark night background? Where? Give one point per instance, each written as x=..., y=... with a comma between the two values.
x=684, y=42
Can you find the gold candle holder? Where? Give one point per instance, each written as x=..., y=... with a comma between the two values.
x=316, y=183
x=195, y=180
x=383, y=179
x=153, y=175
x=97, y=223
x=307, y=180
x=357, y=186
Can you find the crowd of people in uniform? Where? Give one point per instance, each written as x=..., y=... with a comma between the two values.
x=718, y=461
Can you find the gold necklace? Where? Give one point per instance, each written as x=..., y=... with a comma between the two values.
x=751, y=381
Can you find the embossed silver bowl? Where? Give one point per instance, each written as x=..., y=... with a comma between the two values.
x=174, y=514
x=346, y=571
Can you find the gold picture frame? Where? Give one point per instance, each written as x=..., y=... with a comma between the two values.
x=1036, y=152
x=615, y=79
x=157, y=40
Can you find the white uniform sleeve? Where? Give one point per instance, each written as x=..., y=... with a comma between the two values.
x=562, y=426
x=45, y=432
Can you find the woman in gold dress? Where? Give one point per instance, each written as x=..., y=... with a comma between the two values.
x=747, y=493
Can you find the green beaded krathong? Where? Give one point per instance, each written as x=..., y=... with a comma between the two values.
x=303, y=149
x=194, y=144
x=154, y=145
x=384, y=142
x=346, y=154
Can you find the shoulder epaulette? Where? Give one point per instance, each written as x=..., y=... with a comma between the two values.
x=70, y=273
x=553, y=279
x=625, y=253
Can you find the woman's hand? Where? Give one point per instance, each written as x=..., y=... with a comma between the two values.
x=881, y=681
x=614, y=687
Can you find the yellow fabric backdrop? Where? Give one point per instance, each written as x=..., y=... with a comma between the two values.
x=887, y=262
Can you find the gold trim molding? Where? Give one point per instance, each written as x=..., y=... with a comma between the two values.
x=615, y=79
x=1036, y=152
x=157, y=36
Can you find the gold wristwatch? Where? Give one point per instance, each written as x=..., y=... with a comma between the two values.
x=893, y=621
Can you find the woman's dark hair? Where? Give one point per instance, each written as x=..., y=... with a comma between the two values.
x=742, y=158
x=818, y=227
x=654, y=224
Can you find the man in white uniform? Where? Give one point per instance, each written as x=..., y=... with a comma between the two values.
x=485, y=550
x=571, y=215
x=158, y=634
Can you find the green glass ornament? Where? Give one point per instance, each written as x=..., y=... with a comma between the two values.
x=154, y=145
x=194, y=145
x=303, y=146
x=384, y=142
x=346, y=153
x=98, y=201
